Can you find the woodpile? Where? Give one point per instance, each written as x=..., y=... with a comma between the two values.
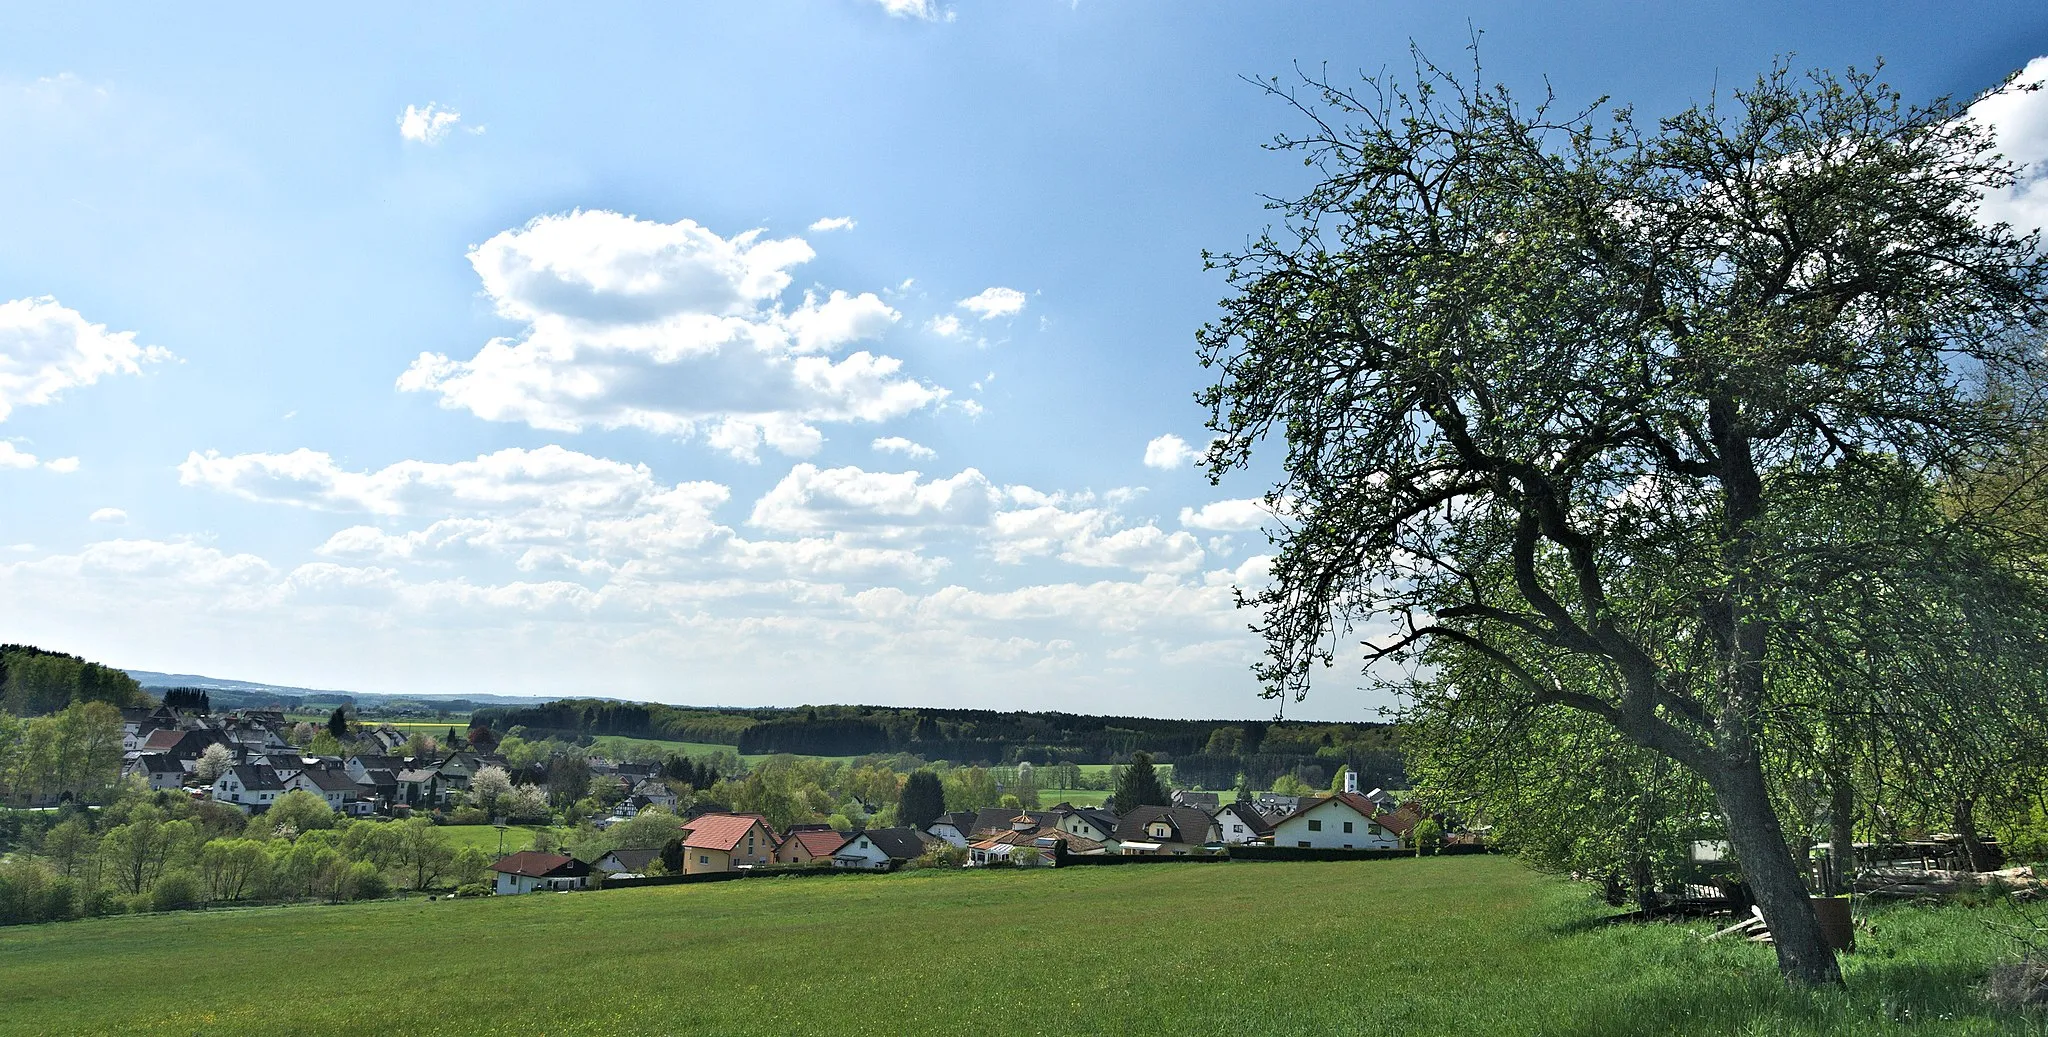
x=1752, y=928
x=1914, y=882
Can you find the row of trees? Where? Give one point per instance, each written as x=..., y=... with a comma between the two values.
x=34, y=681
x=73, y=754
x=151, y=852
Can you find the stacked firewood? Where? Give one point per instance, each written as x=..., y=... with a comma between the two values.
x=1914, y=882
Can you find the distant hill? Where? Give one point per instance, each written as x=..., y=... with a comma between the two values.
x=234, y=694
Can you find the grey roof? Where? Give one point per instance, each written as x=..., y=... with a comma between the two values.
x=634, y=861
x=1189, y=825
x=331, y=780
x=1249, y=815
x=255, y=777
x=420, y=774
x=998, y=819
x=960, y=819
x=901, y=844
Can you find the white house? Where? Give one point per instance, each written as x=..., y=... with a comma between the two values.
x=1343, y=821
x=860, y=852
x=953, y=828
x=1240, y=823
x=334, y=786
x=530, y=870
x=249, y=787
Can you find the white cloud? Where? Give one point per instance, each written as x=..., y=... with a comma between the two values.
x=12, y=456
x=995, y=302
x=1226, y=516
x=2018, y=119
x=810, y=498
x=900, y=445
x=834, y=223
x=111, y=516
x=945, y=326
x=46, y=348
x=549, y=508
x=670, y=328
x=1168, y=452
x=1090, y=536
x=923, y=10
x=427, y=125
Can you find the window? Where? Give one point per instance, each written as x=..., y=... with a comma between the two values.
x=1303, y=844
x=1315, y=826
x=703, y=859
x=1347, y=828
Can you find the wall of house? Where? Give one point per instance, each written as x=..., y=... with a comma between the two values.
x=953, y=836
x=1295, y=831
x=870, y=856
x=1235, y=831
x=697, y=861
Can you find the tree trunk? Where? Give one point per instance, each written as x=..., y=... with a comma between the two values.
x=1975, y=853
x=1780, y=888
x=1842, y=834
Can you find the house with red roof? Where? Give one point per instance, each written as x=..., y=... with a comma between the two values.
x=726, y=842
x=807, y=846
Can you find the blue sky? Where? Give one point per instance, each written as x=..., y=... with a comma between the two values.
x=607, y=371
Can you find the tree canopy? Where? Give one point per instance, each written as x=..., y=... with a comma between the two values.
x=1646, y=419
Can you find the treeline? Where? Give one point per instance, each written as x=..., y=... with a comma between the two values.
x=34, y=682
x=1221, y=750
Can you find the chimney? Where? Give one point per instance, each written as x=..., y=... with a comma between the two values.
x=1351, y=781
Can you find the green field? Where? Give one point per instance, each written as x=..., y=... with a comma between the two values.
x=485, y=837
x=1473, y=945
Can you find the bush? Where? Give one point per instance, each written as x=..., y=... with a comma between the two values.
x=473, y=889
x=176, y=891
x=469, y=816
x=365, y=882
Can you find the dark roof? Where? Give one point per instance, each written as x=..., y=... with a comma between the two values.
x=534, y=864
x=257, y=778
x=1100, y=817
x=960, y=819
x=1249, y=815
x=1205, y=800
x=1189, y=825
x=901, y=844
x=634, y=861
x=330, y=780
x=159, y=763
x=374, y=762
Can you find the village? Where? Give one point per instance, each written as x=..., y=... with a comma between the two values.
x=245, y=759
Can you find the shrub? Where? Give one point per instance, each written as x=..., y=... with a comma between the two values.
x=176, y=891
x=365, y=882
x=473, y=889
x=469, y=816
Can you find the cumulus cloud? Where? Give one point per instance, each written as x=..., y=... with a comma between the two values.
x=1226, y=516
x=550, y=507
x=900, y=445
x=1169, y=451
x=833, y=223
x=810, y=498
x=12, y=456
x=944, y=325
x=670, y=328
x=111, y=516
x=2018, y=119
x=994, y=302
x=427, y=125
x=47, y=348
x=1082, y=534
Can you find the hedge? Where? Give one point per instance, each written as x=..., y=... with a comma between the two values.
x=1304, y=853
x=1107, y=859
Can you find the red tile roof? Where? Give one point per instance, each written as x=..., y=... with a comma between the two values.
x=817, y=843
x=719, y=831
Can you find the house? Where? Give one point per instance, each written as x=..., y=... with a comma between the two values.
x=181, y=745
x=991, y=820
x=882, y=848
x=1276, y=806
x=159, y=769
x=1238, y=824
x=726, y=842
x=653, y=794
x=248, y=787
x=810, y=846
x=1206, y=802
x=1340, y=821
x=626, y=863
x=387, y=738
x=420, y=786
x=1174, y=831
x=530, y=870
x=954, y=828
x=331, y=784
x=360, y=765
x=1095, y=824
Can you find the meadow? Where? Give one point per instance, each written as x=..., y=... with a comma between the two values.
x=1471, y=945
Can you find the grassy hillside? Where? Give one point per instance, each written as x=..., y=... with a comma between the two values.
x=1453, y=946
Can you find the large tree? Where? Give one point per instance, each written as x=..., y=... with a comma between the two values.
x=924, y=799
x=1560, y=389
x=1138, y=785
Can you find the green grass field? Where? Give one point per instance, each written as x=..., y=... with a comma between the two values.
x=1474, y=945
x=485, y=837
